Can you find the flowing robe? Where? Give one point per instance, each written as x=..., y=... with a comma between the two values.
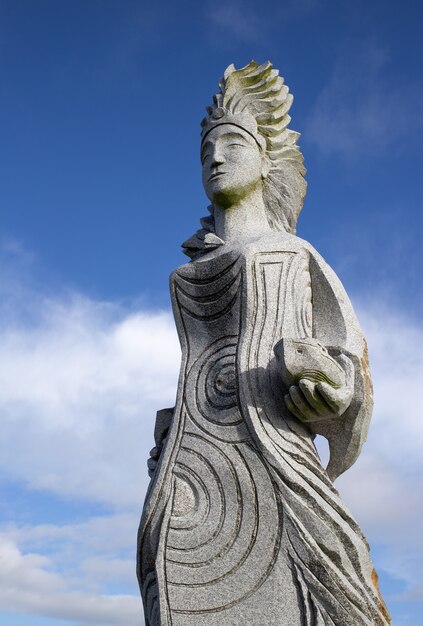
x=242, y=524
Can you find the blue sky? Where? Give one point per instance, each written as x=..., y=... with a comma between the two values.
x=100, y=103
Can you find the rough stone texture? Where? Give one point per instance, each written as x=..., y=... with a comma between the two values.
x=242, y=524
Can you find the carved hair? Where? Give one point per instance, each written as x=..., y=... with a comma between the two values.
x=256, y=99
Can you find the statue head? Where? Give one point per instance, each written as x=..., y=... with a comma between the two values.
x=246, y=143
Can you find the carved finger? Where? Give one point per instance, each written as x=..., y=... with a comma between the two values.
x=315, y=401
x=292, y=408
x=152, y=466
x=155, y=452
x=301, y=403
x=331, y=396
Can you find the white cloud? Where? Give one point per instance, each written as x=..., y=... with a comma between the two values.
x=361, y=110
x=84, y=383
x=383, y=489
x=30, y=584
x=95, y=556
x=105, y=534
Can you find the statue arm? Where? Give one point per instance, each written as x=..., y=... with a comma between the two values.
x=341, y=414
x=336, y=326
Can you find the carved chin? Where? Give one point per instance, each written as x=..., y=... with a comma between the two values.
x=220, y=195
x=225, y=196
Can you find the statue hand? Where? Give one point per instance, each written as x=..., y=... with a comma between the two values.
x=153, y=460
x=161, y=431
x=155, y=453
x=311, y=401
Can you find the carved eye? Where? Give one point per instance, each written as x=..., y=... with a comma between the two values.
x=299, y=350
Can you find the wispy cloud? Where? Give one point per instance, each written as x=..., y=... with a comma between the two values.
x=237, y=17
x=84, y=386
x=83, y=380
x=247, y=20
x=363, y=109
x=384, y=488
x=29, y=584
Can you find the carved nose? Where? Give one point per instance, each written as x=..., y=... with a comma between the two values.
x=217, y=158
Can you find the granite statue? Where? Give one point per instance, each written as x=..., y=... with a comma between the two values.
x=242, y=524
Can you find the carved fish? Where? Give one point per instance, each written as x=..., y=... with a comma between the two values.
x=308, y=359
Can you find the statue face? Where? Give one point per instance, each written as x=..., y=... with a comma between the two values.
x=233, y=165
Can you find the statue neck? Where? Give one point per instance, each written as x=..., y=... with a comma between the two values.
x=243, y=220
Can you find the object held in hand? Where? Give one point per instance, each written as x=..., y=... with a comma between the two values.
x=307, y=359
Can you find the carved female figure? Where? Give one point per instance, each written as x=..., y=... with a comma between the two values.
x=242, y=524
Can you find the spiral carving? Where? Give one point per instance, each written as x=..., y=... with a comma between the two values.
x=216, y=535
x=213, y=404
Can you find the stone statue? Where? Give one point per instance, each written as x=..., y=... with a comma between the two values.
x=241, y=523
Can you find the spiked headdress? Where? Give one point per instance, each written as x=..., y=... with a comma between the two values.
x=256, y=99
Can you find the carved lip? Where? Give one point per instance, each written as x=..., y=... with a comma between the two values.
x=215, y=175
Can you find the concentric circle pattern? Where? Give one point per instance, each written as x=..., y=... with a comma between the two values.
x=213, y=402
x=229, y=540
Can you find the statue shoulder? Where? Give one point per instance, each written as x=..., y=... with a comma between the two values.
x=334, y=317
x=280, y=242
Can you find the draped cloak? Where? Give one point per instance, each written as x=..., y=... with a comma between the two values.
x=241, y=523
